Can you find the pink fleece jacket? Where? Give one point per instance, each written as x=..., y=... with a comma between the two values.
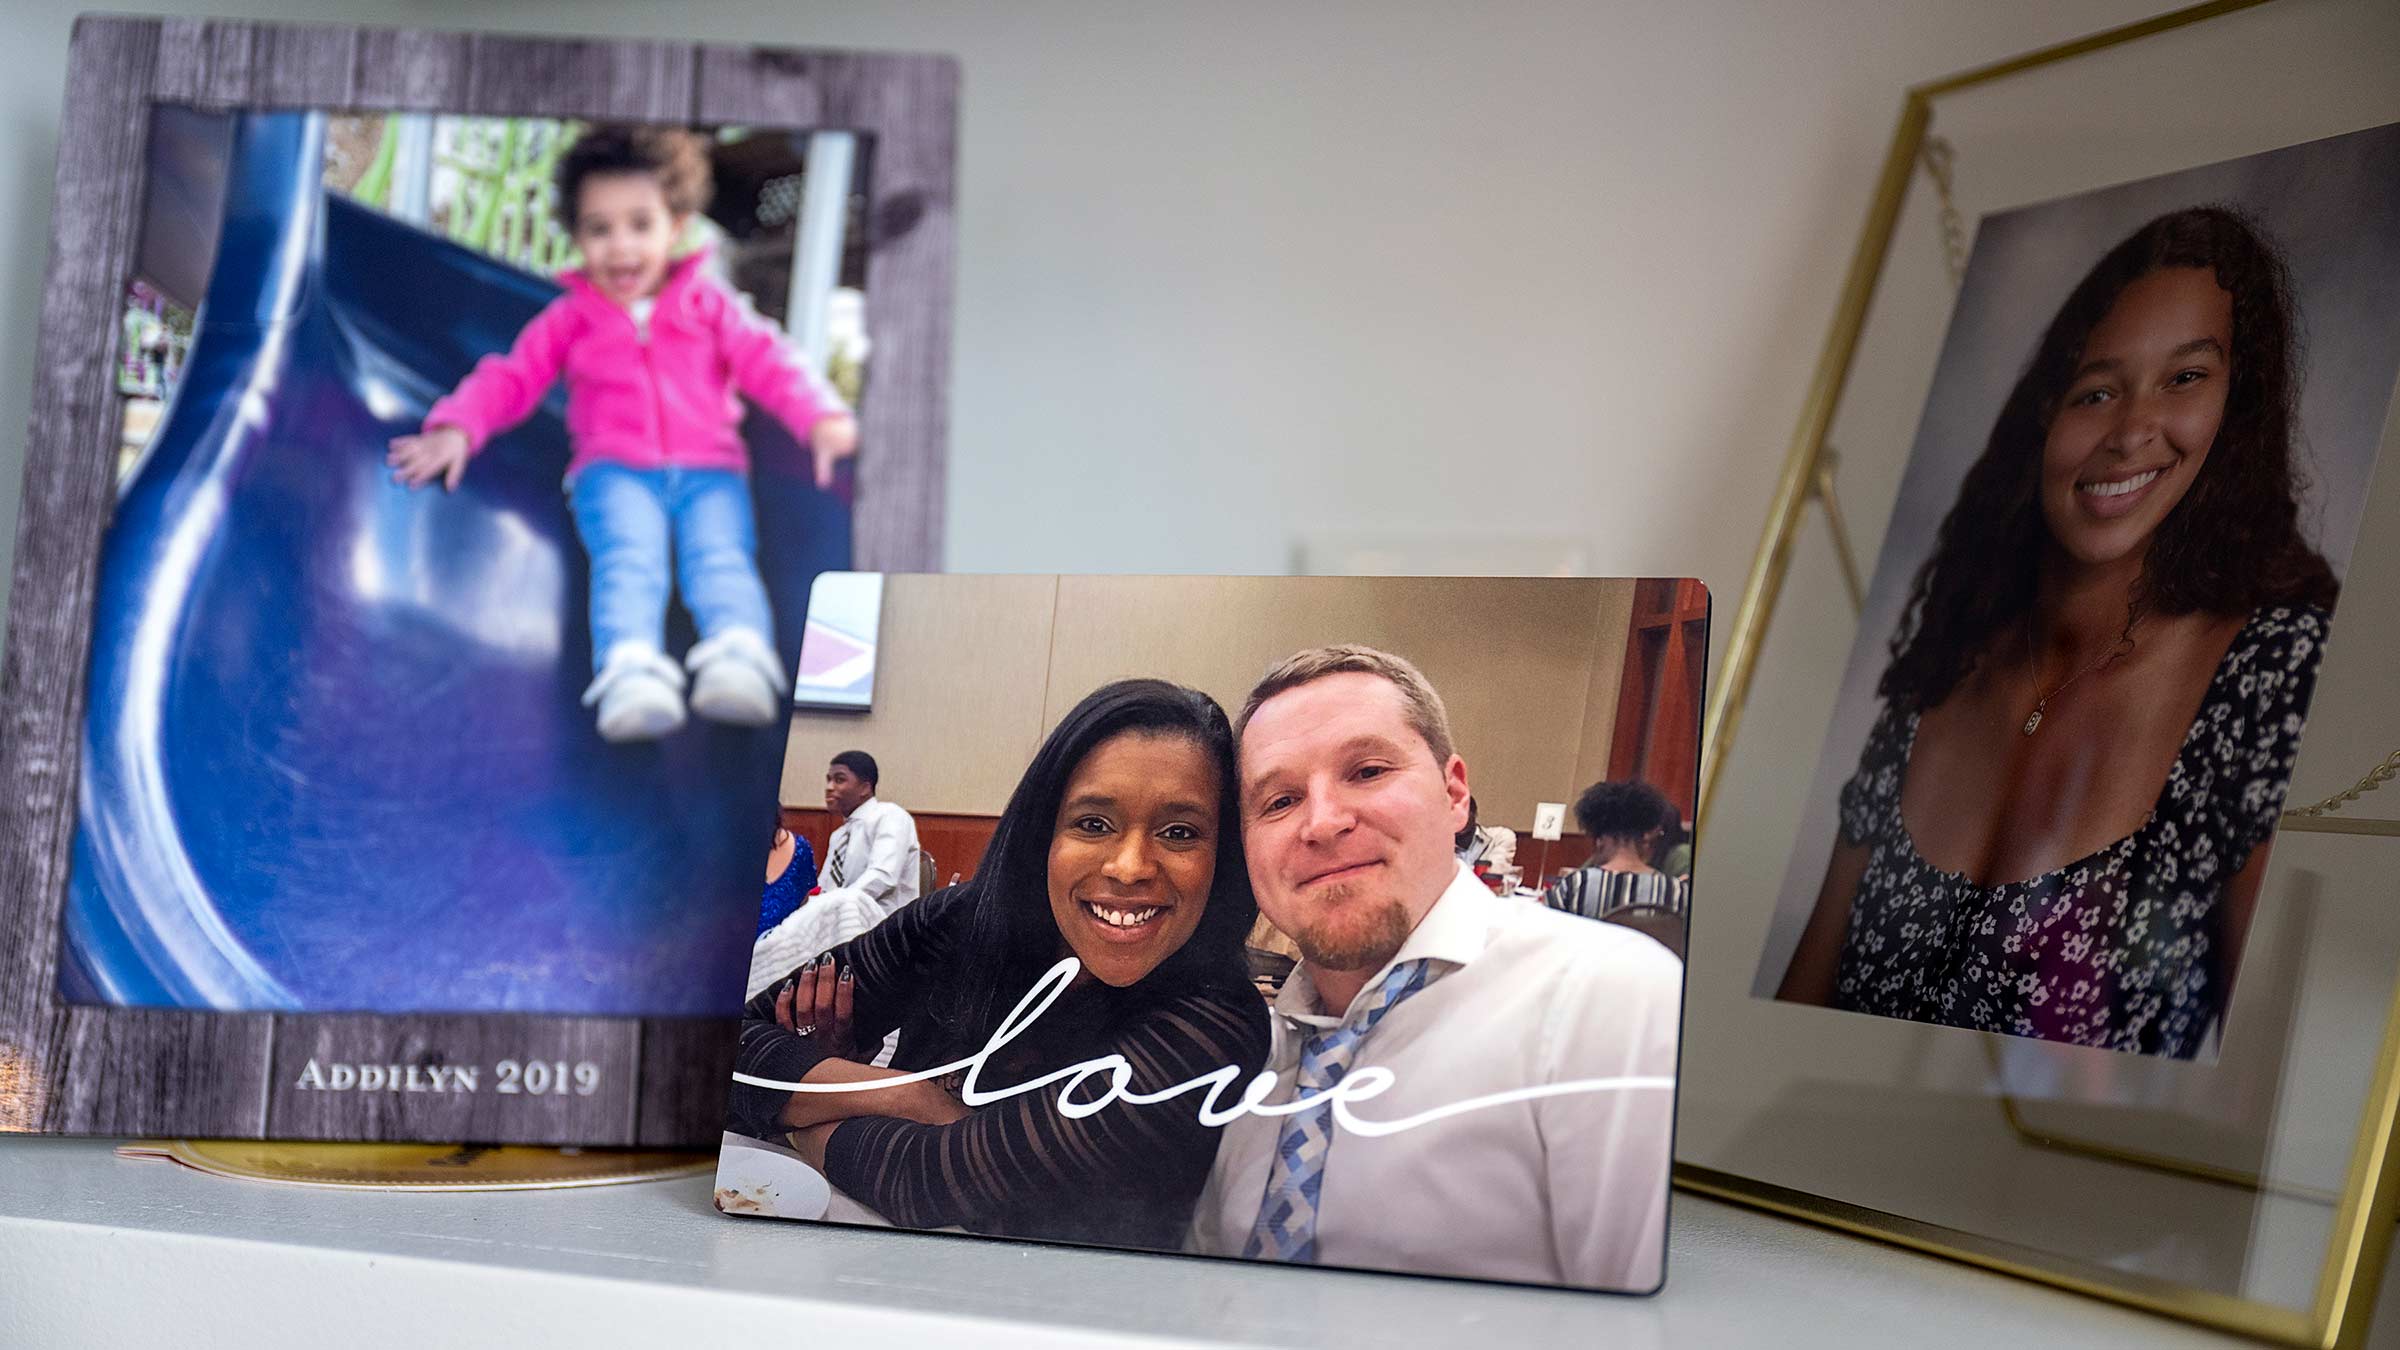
x=646, y=403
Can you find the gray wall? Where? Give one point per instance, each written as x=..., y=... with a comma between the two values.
x=1552, y=268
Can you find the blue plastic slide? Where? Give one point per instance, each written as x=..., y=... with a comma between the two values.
x=334, y=757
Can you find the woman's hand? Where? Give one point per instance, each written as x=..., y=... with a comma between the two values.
x=439, y=453
x=816, y=1003
x=834, y=438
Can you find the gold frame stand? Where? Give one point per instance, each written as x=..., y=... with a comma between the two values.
x=2370, y=1201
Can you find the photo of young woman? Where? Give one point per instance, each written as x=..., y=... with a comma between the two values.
x=2088, y=711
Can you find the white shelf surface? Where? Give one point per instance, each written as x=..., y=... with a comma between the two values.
x=97, y=1250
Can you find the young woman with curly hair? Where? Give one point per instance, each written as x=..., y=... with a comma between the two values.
x=2060, y=819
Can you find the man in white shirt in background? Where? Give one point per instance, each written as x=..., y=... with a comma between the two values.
x=1351, y=798
x=870, y=871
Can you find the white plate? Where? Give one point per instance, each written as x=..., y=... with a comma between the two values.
x=761, y=1178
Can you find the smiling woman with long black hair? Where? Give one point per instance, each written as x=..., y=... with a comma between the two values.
x=1121, y=847
x=2060, y=820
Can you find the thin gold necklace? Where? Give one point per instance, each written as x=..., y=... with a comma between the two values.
x=2033, y=720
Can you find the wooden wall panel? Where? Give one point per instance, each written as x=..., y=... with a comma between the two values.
x=956, y=841
x=1660, y=696
x=1611, y=625
x=1542, y=863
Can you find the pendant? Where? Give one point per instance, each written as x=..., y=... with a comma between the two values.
x=2034, y=722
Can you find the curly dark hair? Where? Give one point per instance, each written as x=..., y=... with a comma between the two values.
x=2230, y=546
x=677, y=159
x=1623, y=811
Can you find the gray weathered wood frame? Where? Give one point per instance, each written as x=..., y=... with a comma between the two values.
x=90, y=1070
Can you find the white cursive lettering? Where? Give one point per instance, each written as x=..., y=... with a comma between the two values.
x=1364, y=1085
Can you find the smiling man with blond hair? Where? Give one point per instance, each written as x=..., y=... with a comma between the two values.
x=1352, y=791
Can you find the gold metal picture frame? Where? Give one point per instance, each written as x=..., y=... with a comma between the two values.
x=2369, y=1201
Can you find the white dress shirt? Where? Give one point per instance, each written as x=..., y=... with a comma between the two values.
x=877, y=850
x=1568, y=1189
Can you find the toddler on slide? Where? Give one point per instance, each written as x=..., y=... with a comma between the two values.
x=654, y=351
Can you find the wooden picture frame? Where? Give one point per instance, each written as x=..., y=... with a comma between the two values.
x=86, y=1069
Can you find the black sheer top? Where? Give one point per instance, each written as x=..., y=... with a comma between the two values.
x=1126, y=1175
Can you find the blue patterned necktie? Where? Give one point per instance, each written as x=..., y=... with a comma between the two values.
x=1287, y=1218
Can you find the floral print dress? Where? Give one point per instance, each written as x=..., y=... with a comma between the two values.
x=2118, y=949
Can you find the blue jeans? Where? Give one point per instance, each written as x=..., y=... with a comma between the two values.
x=638, y=523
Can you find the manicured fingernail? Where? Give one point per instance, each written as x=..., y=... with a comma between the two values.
x=845, y=977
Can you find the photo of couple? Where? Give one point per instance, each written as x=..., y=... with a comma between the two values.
x=1071, y=1045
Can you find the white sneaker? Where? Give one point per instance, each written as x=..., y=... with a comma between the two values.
x=737, y=679
x=640, y=693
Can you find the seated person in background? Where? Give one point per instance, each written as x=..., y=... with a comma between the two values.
x=1675, y=849
x=1626, y=821
x=1120, y=847
x=1494, y=847
x=791, y=872
x=870, y=871
x=1272, y=955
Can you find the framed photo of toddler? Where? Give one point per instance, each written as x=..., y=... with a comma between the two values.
x=435, y=438
x=2055, y=929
